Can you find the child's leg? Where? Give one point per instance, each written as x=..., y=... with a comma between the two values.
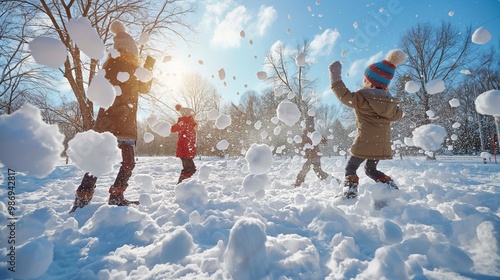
x=353, y=165
x=302, y=174
x=188, y=169
x=371, y=169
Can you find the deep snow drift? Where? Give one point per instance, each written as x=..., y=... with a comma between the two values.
x=443, y=224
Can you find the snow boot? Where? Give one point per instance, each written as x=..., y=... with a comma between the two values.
x=387, y=180
x=84, y=193
x=116, y=197
x=351, y=186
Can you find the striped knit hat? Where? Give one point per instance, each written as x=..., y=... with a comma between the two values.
x=380, y=73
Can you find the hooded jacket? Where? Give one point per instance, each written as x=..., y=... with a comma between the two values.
x=121, y=117
x=374, y=109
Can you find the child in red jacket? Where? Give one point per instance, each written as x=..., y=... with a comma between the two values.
x=186, y=142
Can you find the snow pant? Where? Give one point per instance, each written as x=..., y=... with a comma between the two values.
x=316, y=165
x=86, y=189
x=188, y=169
x=370, y=167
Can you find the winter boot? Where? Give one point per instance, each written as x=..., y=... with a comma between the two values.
x=351, y=186
x=116, y=197
x=387, y=180
x=84, y=193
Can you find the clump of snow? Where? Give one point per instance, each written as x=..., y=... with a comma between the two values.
x=223, y=121
x=261, y=75
x=315, y=137
x=481, y=36
x=222, y=74
x=143, y=39
x=142, y=74
x=435, y=86
x=212, y=115
x=412, y=87
x=101, y=91
x=48, y=51
x=162, y=128
x=145, y=182
x=253, y=183
x=259, y=158
x=204, y=172
x=288, y=112
x=300, y=59
x=191, y=194
x=28, y=143
x=86, y=38
x=222, y=145
x=429, y=137
x=34, y=257
x=454, y=102
x=246, y=255
x=488, y=103
x=152, y=120
x=148, y=137
x=94, y=152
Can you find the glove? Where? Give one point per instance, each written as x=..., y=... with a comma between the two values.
x=335, y=71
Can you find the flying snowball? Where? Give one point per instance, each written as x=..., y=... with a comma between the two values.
x=48, y=51
x=488, y=103
x=300, y=59
x=242, y=34
x=86, y=38
x=429, y=137
x=94, y=152
x=222, y=145
x=481, y=36
x=152, y=120
x=162, y=128
x=456, y=125
x=261, y=75
x=28, y=143
x=148, y=137
x=222, y=74
x=167, y=58
x=143, y=74
x=253, y=183
x=143, y=39
x=212, y=115
x=101, y=91
x=223, y=121
x=288, y=112
x=259, y=158
x=412, y=87
x=435, y=86
x=454, y=102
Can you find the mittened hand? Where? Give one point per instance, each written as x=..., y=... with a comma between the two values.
x=335, y=71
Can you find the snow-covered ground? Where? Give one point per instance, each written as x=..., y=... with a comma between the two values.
x=444, y=225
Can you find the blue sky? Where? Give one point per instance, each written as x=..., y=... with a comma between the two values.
x=363, y=29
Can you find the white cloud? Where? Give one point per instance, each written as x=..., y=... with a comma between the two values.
x=359, y=65
x=267, y=15
x=227, y=32
x=215, y=10
x=323, y=43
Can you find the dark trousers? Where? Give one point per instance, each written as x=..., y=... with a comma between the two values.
x=316, y=165
x=188, y=169
x=370, y=167
x=127, y=165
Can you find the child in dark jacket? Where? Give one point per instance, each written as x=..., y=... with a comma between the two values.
x=375, y=109
x=120, y=118
x=186, y=142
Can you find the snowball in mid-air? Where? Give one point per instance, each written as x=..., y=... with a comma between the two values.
x=48, y=51
x=94, y=152
x=488, y=103
x=259, y=158
x=222, y=74
x=162, y=128
x=253, y=183
x=288, y=112
x=300, y=59
x=429, y=137
x=261, y=75
x=101, y=91
x=315, y=138
x=223, y=121
x=454, y=102
x=86, y=38
x=148, y=137
x=435, y=86
x=222, y=145
x=143, y=74
x=212, y=115
x=412, y=87
x=481, y=36
x=28, y=143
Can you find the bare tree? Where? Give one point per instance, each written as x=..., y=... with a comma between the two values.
x=162, y=20
x=433, y=53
